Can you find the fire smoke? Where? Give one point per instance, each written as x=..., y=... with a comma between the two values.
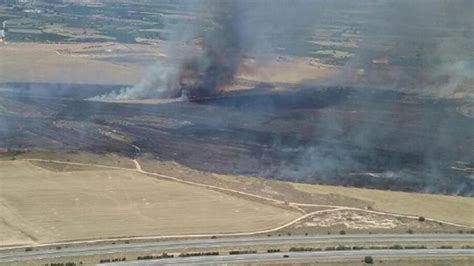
x=204, y=75
x=218, y=36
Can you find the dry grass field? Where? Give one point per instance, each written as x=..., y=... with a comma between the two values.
x=453, y=209
x=448, y=208
x=113, y=63
x=34, y=62
x=109, y=159
x=286, y=69
x=38, y=205
x=45, y=202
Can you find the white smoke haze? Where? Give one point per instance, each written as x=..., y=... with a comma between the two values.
x=201, y=72
x=431, y=39
x=225, y=31
x=429, y=49
x=459, y=77
x=428, y=44
x=157, y=82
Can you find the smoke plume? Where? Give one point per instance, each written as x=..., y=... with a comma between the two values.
x=205, y=74
x=417, y=46
x=198, y=73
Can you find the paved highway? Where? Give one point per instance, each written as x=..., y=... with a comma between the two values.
x=19, y=254
x=304, y=256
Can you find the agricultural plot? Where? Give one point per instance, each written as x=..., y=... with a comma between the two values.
x=38, y=205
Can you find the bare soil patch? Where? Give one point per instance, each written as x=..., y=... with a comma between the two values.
x=351, y=221
x=447, y=208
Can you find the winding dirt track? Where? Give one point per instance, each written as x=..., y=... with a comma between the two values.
x=294, y=205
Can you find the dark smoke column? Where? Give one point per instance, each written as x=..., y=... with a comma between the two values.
x=205, y=75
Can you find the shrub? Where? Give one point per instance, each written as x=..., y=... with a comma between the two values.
x=421, y=219
x=410, y=231
x=415, y=247
x=342, y=247
x=302, y=249
x=239, y=252
x=197, y=254
x=378, y=247
x=368, y=260
x=148, y=257
x=445, y=247
x=342, y=232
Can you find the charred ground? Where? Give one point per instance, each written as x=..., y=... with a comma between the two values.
x=337, y=135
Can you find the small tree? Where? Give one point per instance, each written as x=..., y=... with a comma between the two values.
x=421, y=219
x=368, y=260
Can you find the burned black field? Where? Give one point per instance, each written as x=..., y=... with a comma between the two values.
x=341, y=136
